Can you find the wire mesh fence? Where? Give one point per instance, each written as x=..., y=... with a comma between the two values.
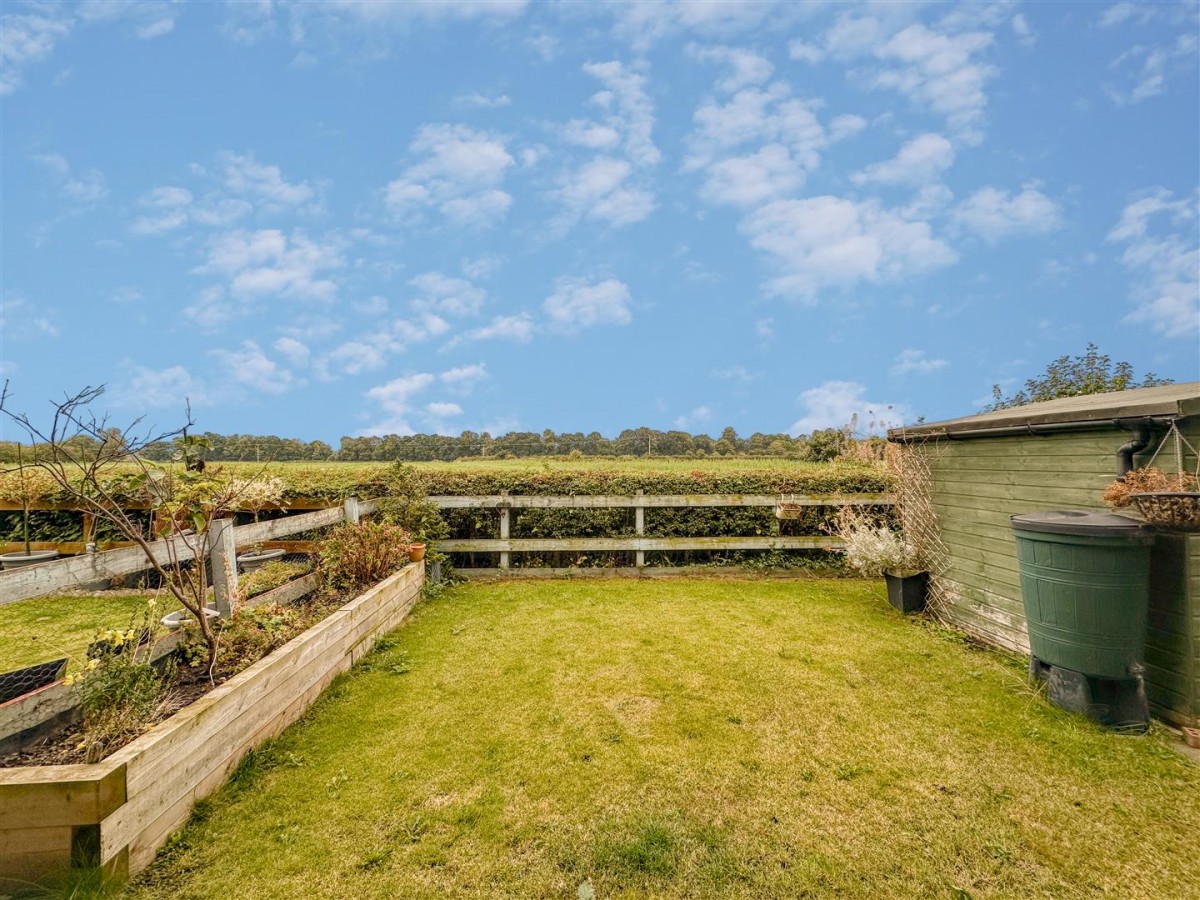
x=43, y=639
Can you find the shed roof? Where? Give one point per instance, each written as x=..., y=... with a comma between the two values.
x=1170, y=400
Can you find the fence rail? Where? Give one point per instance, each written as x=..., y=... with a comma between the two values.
x=60, y=574
x=504, y=504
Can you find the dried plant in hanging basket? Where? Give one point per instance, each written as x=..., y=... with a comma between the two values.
x=788, y=510
x=1150, y=480
x=1178, y=509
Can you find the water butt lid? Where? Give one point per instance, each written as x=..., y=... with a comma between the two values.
x=1081, y=522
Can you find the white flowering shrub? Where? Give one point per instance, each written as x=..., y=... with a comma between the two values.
x=872, y=548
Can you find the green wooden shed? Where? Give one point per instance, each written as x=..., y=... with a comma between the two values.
x=1061, y=454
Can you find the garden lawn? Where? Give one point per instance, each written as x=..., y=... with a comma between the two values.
x=45, y=628
x=689, y=738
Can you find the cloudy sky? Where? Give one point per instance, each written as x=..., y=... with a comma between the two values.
x=317, y=220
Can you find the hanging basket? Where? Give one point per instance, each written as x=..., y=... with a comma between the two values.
x=788, y=509
x=1175, y=509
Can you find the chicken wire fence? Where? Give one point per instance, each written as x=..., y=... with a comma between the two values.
x=43, y=639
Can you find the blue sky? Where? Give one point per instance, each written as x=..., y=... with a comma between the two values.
x=318, y=220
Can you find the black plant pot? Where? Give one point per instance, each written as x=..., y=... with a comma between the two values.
x=907, y=592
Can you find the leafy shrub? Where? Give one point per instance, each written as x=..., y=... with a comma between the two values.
x=120, y=692
x=254, y=631
x=357, y=556
x=404, y=503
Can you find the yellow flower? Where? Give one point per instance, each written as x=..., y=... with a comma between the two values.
x=93, y=664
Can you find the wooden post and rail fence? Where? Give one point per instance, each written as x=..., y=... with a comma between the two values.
x=59, y=574
x=220, y=545
x=639, y=543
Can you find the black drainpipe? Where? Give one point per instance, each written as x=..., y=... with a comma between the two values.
x=1136, y=444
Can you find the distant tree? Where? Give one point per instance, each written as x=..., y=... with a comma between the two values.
x=1074, y=376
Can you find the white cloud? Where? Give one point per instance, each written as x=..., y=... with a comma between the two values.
x=149, y=18
x=831, y=242
x=245, y=176
x=464, y=379
x=170, y=388
x=576, y=304
x=296, y=351
x=84, y=188
x=251, y=367
x=1120, y=13
x=126, y=294
x=697, y=416
x=994, y=214
x=916, y=361
x=941, y=72
x=752, y=179
x=642, y=24
x=785, y=130
x=802, y=51
x=844, y=126
x=373, y=14
x=451, y=296
x=737, y=374
x=269, y=262
x=837, y=403
x=477, y=100
x=28, y=38
x=593, y=135
x=458, y=173
x=213, y=308
x=169, y=209
x=519, y=329
x=394, y=397
x=937, y=69
x=921, y=160
x=481, y=267
x=746, y=67
x=600, y=190
x=608, y=187
x=1022, y=29
x=19, y=320
x=1147, y=70
x=372, y=350
x=1163, y=262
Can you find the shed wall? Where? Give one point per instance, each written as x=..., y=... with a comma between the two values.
x=978, y=483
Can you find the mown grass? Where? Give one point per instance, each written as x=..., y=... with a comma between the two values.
x=45, y=628
x=689, y=738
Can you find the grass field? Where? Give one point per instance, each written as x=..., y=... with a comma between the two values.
x=46, y=628
x=689, y=738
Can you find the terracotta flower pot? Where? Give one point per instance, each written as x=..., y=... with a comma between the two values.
x=416, y=552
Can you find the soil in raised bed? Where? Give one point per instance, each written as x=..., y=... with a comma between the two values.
x=63, y=745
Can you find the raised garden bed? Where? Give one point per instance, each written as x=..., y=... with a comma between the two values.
x=128, y=804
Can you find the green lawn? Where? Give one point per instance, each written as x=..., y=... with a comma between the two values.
x=46, y=628
x=689, y=738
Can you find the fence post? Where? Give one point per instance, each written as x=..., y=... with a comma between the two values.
x=639, y=520
x=504, y=530
x=351, y=508
x=222, y=555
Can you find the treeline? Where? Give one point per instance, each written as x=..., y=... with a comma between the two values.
x=635, y=442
